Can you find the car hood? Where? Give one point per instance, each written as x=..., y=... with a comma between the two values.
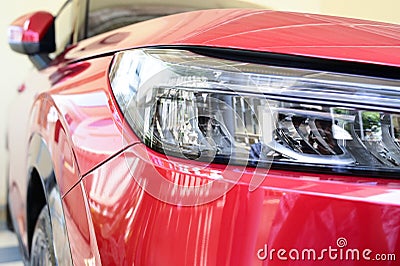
x=259, y=30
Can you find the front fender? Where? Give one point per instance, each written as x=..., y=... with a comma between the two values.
x=40, y=160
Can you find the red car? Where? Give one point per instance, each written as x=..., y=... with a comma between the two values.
x=210, y=137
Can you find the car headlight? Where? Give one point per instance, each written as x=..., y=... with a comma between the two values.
x=202, y=108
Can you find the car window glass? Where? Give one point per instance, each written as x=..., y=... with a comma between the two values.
x=64, y=27
x=70, y=24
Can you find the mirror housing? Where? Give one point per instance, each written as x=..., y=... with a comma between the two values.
x=34, y=35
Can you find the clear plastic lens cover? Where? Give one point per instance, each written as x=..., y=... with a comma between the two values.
x=202, y=108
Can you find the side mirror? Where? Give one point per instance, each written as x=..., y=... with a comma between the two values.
x=33, y=35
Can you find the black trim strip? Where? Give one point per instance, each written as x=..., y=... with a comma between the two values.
x=276, y=59
x=299, y=61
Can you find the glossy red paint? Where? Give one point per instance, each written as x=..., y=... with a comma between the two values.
x=260, y=30
x=112, y=220
x=290, y=210
x=85, y=111
x=72, y=108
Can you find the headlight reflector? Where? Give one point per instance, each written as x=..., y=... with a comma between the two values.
x=202, y=108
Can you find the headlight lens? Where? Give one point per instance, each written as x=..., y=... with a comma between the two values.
x=202, y=108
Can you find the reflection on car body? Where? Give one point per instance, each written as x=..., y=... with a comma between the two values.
x=209, y=137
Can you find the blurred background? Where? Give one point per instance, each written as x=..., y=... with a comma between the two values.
x=15, y=67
